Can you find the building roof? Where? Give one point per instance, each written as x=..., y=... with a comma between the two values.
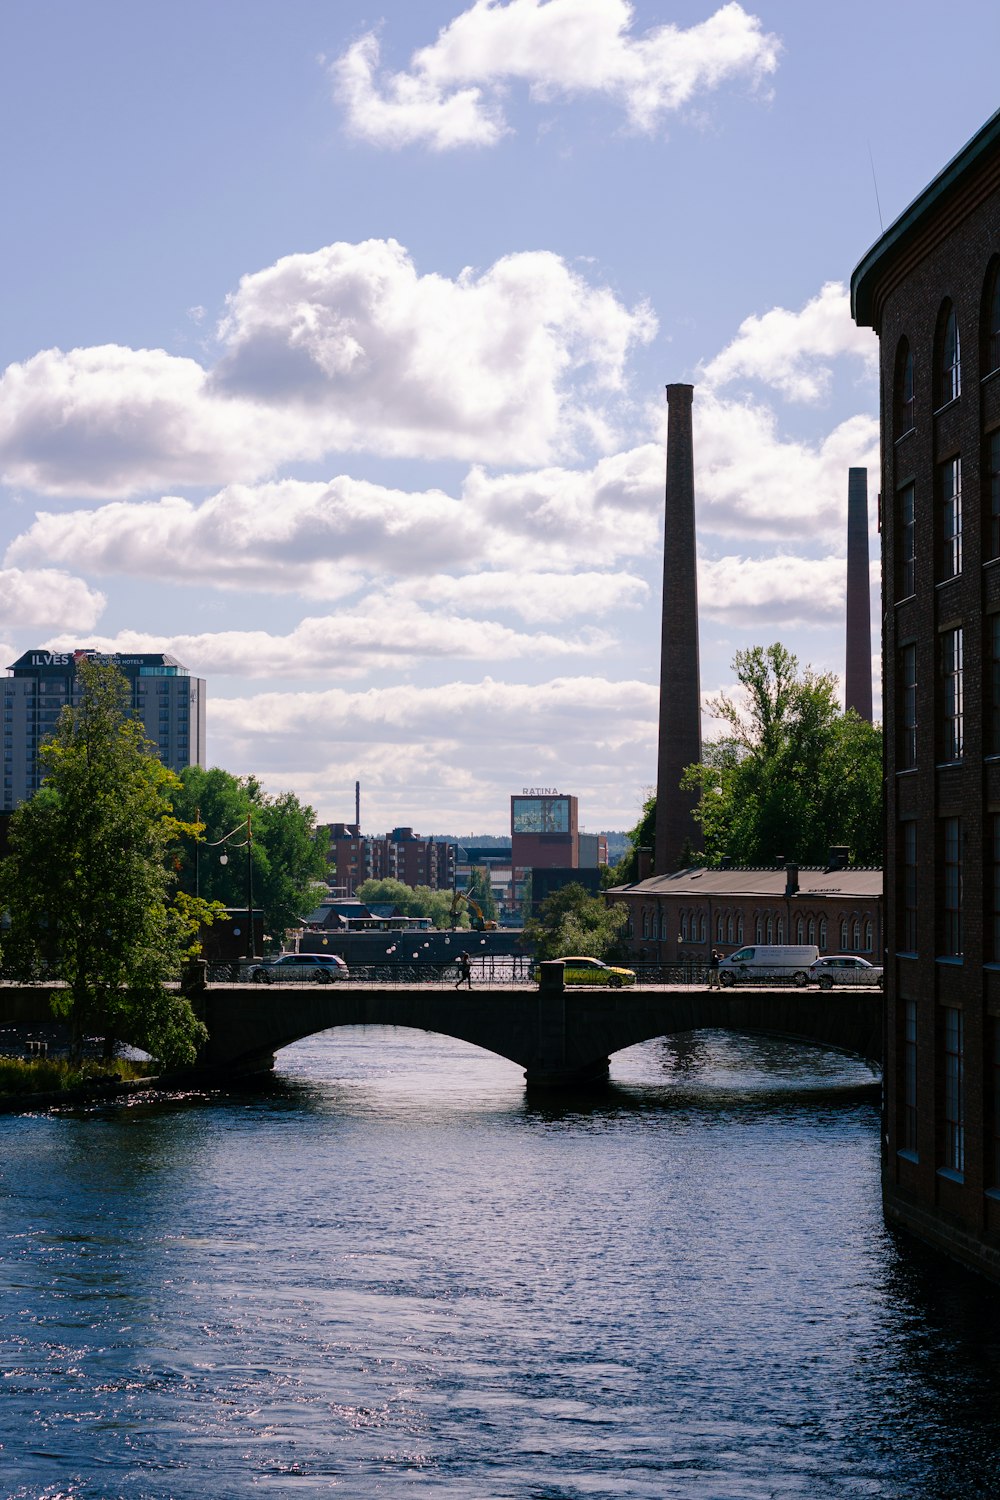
x=899, y=237
x=766, y=883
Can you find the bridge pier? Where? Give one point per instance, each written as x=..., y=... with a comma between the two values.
x=590, y=1076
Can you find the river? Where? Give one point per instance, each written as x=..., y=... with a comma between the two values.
x=393, y=1274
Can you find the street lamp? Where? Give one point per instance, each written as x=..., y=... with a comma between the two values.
x=247, y=844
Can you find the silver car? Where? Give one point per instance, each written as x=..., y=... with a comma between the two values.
x=291, y=968
x=844, y=968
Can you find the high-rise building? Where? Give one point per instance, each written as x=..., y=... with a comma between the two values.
x=930, y=288
x=166, y=699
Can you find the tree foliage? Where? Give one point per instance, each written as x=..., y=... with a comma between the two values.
x=410, y=900
x=481, y=892
x=288, y=857
x=794, y=774
x=571, y=922
x=639, y=837
x=87, y=884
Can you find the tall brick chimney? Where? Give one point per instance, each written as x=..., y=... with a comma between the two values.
x=680, y=678
x=858, y=665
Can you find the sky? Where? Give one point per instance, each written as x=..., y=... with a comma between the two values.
x=334, y=342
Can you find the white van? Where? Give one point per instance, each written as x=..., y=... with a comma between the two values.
x=787, y=961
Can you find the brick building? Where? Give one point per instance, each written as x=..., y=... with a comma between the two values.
x=400, y=855
x=930, y=287
x=682, y=916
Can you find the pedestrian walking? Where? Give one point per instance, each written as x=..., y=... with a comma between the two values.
x=713, y=969
x=465, y=971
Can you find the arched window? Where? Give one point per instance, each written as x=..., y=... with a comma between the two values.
x=770, y=930
x=903, y=390
x=949, y=357
x=720, y=928
x=812, y=930
x=781, y=931
x=704, y=928
x=991, y=319
x=729, y=929
x=822, y=935
x=868, y=936
x=739, y=929
x=645, y=923
x=684, y=926
x=758, y=931
x=800, y=930
x=844, y=934
x=857, y=935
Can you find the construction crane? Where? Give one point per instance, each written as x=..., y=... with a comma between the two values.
x=479, y=922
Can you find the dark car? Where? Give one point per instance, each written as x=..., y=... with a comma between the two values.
x=290, y=968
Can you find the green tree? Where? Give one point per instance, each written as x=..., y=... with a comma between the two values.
x=481, y=892
x=571, y=922
x=794, y=774
x=409, y=900
x=288, y=857
x=639, y=837
x=87, y=884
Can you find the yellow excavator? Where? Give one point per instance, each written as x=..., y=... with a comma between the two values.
x=478, y=921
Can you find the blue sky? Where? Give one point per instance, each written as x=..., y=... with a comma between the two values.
x=334, y=343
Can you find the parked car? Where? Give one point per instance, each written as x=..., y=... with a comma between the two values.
x=290, y=968
x=593, y=971
x=787, y=961
x=844, y=968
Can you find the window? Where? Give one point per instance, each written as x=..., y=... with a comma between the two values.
x=951, y=906
x=993, y=480
x=770, y=930
x=908, y=887
x=906, y=748
x=909, y=1077
x=949, y=357
x=645, y=923
x=720, y=928
x=843, y=936
x=780, y=936
x=856, y=936
x=950, y=493
x=739, y=929
x=952, y=736
x=993, y=1170
x=905, y=544
x=704, y=928
x=822, y=934
x=953, y=1059
x=991, y=321
x=729, y=930
x=800, y=930
x=812, y=930
x=758, y=932
x=993, y=919
x=868, y=936
x=903, y=390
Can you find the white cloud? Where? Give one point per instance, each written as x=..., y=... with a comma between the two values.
x=754, y=483
x=444, y=749
x=45, y=597
x=792, y=351
x=321, y=539
x=385, y=634
x=342, y=349
x=452, y=93
x=540, y=598
x=781, y=590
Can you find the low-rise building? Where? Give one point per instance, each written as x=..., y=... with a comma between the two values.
x=682, y=917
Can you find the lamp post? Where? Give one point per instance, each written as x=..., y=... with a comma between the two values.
x=247, y=844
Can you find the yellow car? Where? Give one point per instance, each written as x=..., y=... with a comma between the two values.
x=592, y=971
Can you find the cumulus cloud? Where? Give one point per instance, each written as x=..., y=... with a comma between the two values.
x=345, y=348
x=387, y=633
x=443, y=749
x=755, y=483
x=45, y=597
x=540, y=598
x=322, y=539
x=451, y=95
x=785, y=590
x=792, y=352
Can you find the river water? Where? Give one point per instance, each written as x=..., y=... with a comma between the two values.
x=393, y=1274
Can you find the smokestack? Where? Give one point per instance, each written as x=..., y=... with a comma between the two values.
x=858, y=665
x=357, y=807
x=680, y=678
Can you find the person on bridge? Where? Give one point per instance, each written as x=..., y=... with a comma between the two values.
x=465, y=971
x=713, y=970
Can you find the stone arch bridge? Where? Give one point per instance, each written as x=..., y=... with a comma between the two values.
x=559, y=1038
